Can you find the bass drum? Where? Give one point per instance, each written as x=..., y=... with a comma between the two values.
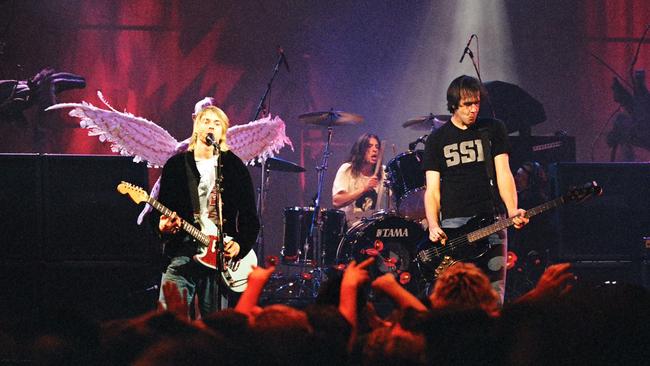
x=392, y=240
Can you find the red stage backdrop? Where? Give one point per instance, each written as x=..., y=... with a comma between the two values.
x=157, y=58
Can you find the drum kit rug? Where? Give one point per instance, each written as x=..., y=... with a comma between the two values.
x=317, y=241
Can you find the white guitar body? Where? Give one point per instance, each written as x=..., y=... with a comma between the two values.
x=234, y=272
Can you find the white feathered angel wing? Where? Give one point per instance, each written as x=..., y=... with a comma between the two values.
x=129, y=135
x=258, y=140
x=146, y=141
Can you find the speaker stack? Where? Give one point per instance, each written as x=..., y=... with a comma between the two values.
x=69, y=239
x=604, y=236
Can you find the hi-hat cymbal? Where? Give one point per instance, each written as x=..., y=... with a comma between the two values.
x=427, y=123
x=281, y=165
x=331, y=118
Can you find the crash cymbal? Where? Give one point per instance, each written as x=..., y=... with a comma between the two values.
x=281, y=165
x=331, y=118
x=426, y=123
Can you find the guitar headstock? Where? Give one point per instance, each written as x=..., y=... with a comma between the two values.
x=136, y=193
x=579, y=194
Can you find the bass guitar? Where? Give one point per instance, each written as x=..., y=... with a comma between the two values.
x=467, y=242
x=234, y=272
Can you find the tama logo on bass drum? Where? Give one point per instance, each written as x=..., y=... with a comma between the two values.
x=392, y=233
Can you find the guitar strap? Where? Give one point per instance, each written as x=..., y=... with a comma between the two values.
x=192, y=183
x=489, y=167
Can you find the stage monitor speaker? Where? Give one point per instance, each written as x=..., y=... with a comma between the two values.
x=610, y=273
x=103, y=290
x=20, y=199
x=542, y=149
x=100, y=290
x=85, y=218
x=20, y=283
x=609, y=227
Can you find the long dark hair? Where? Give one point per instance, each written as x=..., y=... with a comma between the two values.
x=358, y=152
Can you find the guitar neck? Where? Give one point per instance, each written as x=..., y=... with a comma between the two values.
x=505, y=223
x=190, y=229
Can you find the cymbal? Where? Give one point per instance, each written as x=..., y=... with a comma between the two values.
x=427, y=123
x=331, y=118
x=281, y=165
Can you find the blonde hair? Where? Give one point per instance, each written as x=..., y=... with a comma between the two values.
x=464, y=286
x=221, y=117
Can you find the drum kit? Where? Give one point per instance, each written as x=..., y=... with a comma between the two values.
x=317, y=239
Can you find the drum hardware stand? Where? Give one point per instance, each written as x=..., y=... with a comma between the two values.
x=312, y=241
x=316, y=217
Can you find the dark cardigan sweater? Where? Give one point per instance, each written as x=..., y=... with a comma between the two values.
x=239, y=211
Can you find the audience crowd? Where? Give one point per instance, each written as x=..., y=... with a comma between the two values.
x=559, y=322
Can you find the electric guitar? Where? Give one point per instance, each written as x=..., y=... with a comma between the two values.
x=466, y=242
x=234, y=272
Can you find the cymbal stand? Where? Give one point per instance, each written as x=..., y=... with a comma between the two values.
x=316, y=217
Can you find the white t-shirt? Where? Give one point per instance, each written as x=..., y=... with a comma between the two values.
x=364, y=206
x=206, y=186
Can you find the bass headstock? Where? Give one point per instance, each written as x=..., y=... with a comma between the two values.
x=581, y=193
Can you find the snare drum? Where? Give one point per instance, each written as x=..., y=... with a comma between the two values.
x=408, y=183
x=297, y=223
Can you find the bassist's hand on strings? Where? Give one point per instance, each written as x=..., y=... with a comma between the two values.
x=436, y=234
x=519, y=218
x=170, y=224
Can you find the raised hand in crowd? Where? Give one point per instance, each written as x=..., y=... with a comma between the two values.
x=555, y=281
x=257, y=279
x=176, y=304
x=388, y=285
x=354, y=276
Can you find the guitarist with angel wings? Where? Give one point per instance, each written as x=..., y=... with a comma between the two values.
x=188, y=187
x=459, y=168
x=188, y=181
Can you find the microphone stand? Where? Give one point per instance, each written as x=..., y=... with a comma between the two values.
x=261, y=199
x=261, y=191
x=220, y=264
x=480, y=80
x=276, y=68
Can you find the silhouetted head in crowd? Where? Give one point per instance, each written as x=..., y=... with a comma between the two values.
x=464, y=286
x=198, y=349
x=331, y=334
x=394, y=346
x=282, y=335
x=124, y=340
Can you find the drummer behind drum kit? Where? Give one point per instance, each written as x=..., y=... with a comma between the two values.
x=315, y=237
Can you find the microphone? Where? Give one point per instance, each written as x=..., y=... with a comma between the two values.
x=284, y=58
x=467, y=50
x=210, y=139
